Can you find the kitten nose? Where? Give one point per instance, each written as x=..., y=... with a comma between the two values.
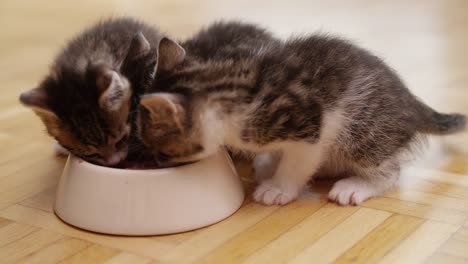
x=114, y=159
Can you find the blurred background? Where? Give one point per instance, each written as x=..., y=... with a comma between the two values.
x=424, y=40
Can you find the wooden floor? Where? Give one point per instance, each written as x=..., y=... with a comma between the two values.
x=426, y=220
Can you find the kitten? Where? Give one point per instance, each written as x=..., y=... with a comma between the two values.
x=316, y=105
x=220, y=40
x=88, y=100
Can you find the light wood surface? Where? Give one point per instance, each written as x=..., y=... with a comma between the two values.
x=426, y=220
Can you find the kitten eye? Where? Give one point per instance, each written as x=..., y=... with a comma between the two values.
x=121, y=142
x=92, y=156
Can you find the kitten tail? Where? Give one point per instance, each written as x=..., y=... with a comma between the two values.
x=441, y=124
x=444, y=124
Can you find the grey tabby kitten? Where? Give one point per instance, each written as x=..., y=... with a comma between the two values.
x=88, y=100
x=309, y=106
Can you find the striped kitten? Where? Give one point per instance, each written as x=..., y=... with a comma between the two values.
x=88, y=99
x=309, y=106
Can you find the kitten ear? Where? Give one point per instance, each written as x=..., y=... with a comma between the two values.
x=36, y=99
x=170, y=54
x=164, y=108
x=139, y=46
x=115, y=90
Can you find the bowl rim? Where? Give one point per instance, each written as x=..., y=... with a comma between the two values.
x=83, y=162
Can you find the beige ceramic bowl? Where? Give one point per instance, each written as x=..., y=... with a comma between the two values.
x=148, y=202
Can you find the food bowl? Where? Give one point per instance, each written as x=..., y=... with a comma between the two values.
x=151, y=201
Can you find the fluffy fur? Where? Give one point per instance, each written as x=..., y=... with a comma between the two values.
x=89, y=98
x=309, y=106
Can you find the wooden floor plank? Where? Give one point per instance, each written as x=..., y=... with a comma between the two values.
x=435, y=200
x=138, y=245
x=302, y=235
x=29, y=244
x=29, y=181
x=56, y=251
x=421, y=244
x=126, y=258
x=25, y=190
x=462, y=233
x=381, y=240
x=43, y=200
x=20, y=152
x=439, y=188
x=342, y=237
x=416, y=209
x=440, y=176
x=455, y=247
x=212, y=237
x=440, y=258
x=255, y=237
x=94, y=254
x=13, y=232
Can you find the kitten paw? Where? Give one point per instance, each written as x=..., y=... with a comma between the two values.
x=351, y=191
x=269, y=194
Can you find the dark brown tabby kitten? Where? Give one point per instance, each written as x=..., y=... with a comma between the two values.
x=316, y=105
x=89, y=98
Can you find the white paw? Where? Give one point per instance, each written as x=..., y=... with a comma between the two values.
x=351, y=191
x=269, y=194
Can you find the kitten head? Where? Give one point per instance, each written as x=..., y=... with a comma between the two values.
x=87, y=111
x=88, y=116
x=162, y=120
x=163, y=128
